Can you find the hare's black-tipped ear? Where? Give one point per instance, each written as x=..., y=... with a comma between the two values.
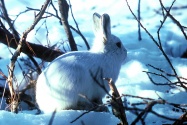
x=96, y=23
x=105, y=23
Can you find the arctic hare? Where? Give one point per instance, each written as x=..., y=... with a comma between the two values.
x=59, y=86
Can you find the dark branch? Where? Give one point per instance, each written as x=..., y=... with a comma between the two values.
x=139, y=17
x=116, y=103
x=40, y=51
x=64, y=8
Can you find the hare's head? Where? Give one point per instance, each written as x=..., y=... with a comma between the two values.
x=106, y=42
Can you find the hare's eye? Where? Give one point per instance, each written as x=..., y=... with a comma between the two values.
x=118, y=44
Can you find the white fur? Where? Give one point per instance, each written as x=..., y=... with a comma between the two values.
x=59, y=85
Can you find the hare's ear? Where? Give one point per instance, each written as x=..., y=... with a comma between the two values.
x=105, y=23
x=102, y=25
x=97, y=23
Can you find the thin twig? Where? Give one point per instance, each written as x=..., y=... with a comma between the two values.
x=148, y=109
x=153, y=112
x=141, y=24
x=99, y=74
x=32, y=9
x=133, y=96
x=168, y=74
x=57, y=16
x=139, y=17
x=160, y=47
x=52, y=118
x=174, y=20
x=15, y=33
x=86, y=112
x=158, y=44
x=5, y=13
x=178, y=8
x=79, y=32
x=56, y=12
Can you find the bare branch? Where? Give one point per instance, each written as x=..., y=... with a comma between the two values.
x=64, y=8
x=158, y=44
x=179, y=7
x=139, y=17
x=148, y=108
x=79, y=32
x=57, y=16
x=165, y=55
x=141, y=24
x=116, y=103
x=6, y=17
x=174, y=20
x=37, y=19
x=168, y=74
x=14, y=97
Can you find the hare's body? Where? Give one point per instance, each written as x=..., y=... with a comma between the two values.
x=81, y=73
x=75, y=77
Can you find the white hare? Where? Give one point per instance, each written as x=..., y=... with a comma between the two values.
x=82, y=72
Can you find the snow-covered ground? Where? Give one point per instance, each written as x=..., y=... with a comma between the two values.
x=132, y=80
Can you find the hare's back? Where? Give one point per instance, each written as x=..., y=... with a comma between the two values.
x=67, y=73
x=70, y=66
x=85, y=59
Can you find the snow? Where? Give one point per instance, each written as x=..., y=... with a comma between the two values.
x=132, y=80
x=61, y=118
